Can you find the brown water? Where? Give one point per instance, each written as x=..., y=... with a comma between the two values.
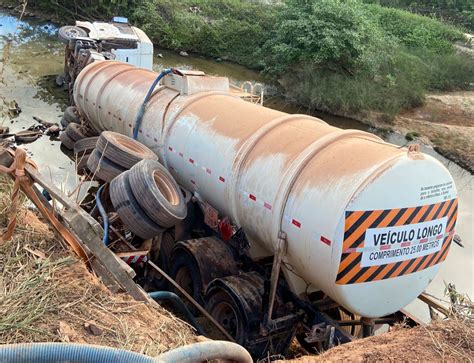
x=30, y=62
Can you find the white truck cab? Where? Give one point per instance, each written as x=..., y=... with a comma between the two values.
x=116, y=40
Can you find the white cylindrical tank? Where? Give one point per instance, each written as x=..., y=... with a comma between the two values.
x=367, y=222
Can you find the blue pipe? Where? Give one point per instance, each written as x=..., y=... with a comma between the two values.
x=141, y=112
x=67, y=352
x=178, y=304
x=103, y=213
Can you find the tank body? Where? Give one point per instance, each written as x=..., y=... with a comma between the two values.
x=367, y=222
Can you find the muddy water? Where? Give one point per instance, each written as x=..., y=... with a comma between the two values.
x=34, y=56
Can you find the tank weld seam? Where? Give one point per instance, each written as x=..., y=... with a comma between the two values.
x=245, y=150
x=310, y=152
x=101, y=92
x=169, y=125
x=89, y=81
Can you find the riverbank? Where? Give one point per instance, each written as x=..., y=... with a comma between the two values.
x=445, y=122
x=446, y=126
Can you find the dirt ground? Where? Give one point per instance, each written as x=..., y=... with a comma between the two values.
x=440, y=341
x=446, y=122
x=47, y=295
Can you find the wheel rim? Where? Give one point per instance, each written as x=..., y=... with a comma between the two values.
x=225, y=315
x=73, y=33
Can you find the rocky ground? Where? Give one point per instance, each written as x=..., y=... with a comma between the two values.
x=445, y=121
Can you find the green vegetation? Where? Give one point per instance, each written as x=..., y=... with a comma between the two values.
x=459, y=12
x=340, y=56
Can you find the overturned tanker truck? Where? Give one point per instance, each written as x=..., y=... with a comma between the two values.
x=293, y=224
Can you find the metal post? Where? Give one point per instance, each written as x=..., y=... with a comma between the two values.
x=280, y=251
x=368, y=325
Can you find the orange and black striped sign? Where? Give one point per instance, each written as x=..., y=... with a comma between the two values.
x=358, y=222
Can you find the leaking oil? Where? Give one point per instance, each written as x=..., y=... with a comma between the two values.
x=31, y=57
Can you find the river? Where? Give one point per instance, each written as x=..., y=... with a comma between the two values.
x=31, y=56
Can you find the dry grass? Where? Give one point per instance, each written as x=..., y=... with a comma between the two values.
x=47, y=295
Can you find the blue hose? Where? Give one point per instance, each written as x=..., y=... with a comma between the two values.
x=178, y=304
x=141, y=112
x=67, y=352
x=103, y=213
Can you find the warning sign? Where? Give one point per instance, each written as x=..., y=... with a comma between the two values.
x=387, y=243
x=399, y=243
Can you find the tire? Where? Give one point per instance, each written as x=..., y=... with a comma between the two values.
x=185, y=272
x=70, y=32
x=86, y=145
x=223, y=309
x=64, y=123
x=66, y=140
x=81, y=163
x=70, y=115
x=123, y=150
x=162, y=259
x=75, y=132
x=157, y=193
x=128, y=209
x=102, y=168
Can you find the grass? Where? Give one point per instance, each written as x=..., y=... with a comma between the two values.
x=47, y=295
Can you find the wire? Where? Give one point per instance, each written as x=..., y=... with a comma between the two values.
x=103, y=213
x=141, y=112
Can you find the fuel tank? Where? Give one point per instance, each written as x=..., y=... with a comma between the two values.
x=366, y=222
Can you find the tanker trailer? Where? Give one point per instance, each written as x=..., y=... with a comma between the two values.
x=342, y=214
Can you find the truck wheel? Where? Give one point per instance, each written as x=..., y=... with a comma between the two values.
x=70, y=115
x=81, y=163
x=224, y=310
x=75, y=132
x=123, y=150
x=102, y=168
x=70, y=32
x=86, y=145
x=157, y=193
x=66, y=141
x=185, y=272
x=162, y=259
x=128, y=209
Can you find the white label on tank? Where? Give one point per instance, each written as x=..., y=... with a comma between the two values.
x=392, y=244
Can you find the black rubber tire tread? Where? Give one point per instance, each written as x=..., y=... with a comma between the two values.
x=163, y=260
x=102, y=168
x=223, y=297
x=71, y=116
x=81, y=163
x=66, y=141
x=65, y=37
x=182, y=259
x=151, y=197
x=122, y=149
x=75, y=132
x=85, y=145
x=128, y=209
x=64, y=123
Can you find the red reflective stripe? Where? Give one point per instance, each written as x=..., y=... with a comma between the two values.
x=405, y=244
x=170, y=148
x=191, y=161
x=208, y=171
x=296, y=223
x=325, y=240
x=253, y=197
x=387, y=247
x=221, y=179
x=268, y=206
